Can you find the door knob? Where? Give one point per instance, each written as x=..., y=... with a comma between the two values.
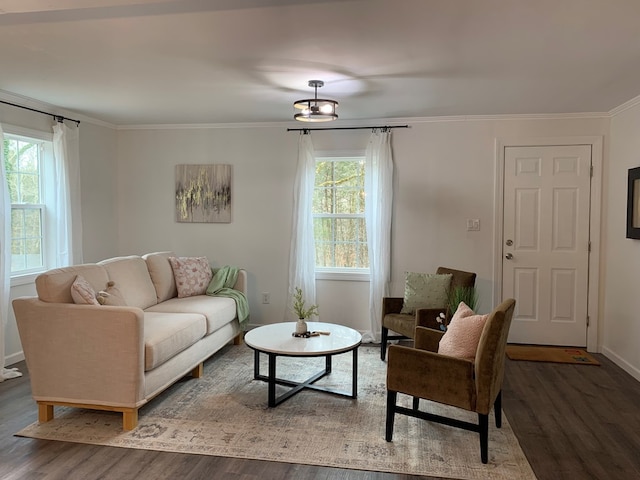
x=508, y=256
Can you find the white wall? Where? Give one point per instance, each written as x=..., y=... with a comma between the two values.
x=97, y=158
x=445, y=173
x=622, y=275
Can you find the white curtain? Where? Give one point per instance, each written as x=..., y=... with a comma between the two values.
x=67, y=205
x=302, y=254
x=5, y=262
x=379, y=197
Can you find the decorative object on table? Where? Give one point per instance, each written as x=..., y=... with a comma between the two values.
x=302, y=312
x=457, y=295
x=310, y=334
x=203, y=193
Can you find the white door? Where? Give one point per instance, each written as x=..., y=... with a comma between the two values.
x=546, y=242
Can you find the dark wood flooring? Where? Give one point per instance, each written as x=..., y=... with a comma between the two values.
x=572, y=421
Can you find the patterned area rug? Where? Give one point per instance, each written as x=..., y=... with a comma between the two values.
x=225, y=414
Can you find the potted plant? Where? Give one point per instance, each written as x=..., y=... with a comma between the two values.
x=468, y=295
x=302, y=311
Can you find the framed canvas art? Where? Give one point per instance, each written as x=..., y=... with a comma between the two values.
x=203, y=193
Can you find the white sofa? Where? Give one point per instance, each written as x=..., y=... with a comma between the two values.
x=119, y=357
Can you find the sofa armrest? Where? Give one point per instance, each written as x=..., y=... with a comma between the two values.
x=241, y=282
x=83, y=354
x=427, y=339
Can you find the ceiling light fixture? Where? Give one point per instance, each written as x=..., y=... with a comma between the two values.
x=316, y=109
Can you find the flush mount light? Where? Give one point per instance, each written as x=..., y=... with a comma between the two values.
x=316, y=109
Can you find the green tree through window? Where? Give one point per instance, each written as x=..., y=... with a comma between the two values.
x=338, y=211
x=23, y=159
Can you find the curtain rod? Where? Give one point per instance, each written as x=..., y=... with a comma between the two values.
x=383, y=127
x=58, y=118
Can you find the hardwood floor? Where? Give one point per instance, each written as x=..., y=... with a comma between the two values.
x=572, y=421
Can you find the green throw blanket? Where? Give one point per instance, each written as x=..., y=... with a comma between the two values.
x=221, y=285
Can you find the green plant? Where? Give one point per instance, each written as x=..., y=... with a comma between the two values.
x=468, y=295
x=299, y=306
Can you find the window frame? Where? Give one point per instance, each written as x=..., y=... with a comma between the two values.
x=341, y=273
x=47, y=191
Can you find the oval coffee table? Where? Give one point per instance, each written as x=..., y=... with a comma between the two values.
x=276, y=340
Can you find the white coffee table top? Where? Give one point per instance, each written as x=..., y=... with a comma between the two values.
x=277, y=338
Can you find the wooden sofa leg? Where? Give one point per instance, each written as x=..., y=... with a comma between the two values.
x=129, y=419
x=237, y=340
x=45, y=412
x=198, y=371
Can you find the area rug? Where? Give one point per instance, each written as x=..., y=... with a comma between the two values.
x=225, y=414
x=550, y=354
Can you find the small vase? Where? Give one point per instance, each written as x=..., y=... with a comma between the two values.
x=301, y=327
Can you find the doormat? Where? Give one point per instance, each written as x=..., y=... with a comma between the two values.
x=533, y=353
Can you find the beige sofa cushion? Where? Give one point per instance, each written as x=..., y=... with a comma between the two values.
x=166, y=335
x=161, y=274
x=218, y=310
x=131, y=277
x=55, y=285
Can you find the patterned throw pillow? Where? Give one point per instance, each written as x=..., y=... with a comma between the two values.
x=425, y=290
x=192, y=275
x=82, y=292
x=463, y=333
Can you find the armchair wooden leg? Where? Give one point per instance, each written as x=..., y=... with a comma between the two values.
x=383, y=343
x=497, y=408
x=483, y=429
x=391, y=411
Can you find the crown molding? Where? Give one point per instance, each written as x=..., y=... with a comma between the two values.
x=625, y=106
x=369, y=122
x=53, y=109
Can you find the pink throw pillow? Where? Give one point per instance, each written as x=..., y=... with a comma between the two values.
x=192, y=275
x=82, y=292
x=463, y=333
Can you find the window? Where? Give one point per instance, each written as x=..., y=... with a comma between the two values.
x=29, y=182
x=339, y=217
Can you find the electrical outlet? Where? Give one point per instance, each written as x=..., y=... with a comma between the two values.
x=473, y=224
x=266, y=297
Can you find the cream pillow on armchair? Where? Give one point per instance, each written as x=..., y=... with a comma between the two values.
x=425, y=290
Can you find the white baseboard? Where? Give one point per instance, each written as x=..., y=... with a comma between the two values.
x=621, y=362
x=14, y=358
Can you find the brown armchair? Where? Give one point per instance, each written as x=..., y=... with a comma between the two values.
x=474, y=385
x=404, y=324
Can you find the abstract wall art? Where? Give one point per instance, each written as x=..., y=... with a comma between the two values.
x=203, y=193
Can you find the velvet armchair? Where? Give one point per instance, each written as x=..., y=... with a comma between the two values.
x=471, y=384
x=405, y=324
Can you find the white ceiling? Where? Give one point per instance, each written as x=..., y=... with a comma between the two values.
x=131, y=62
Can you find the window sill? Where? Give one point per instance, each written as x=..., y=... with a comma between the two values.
x=343, y=275
x=24, y=279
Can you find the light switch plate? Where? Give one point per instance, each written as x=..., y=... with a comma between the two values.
x=473, y=224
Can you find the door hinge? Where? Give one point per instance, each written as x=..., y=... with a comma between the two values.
x=588, y=320
x=591, y=171
x=589, y=246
